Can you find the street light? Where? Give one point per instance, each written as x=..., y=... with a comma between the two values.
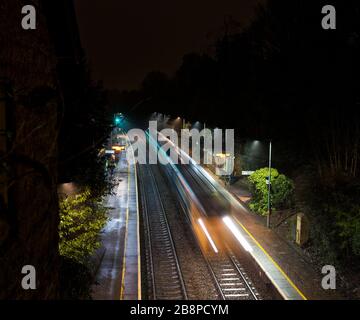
x=183, y=123
x=269, y=190
x=256, y=151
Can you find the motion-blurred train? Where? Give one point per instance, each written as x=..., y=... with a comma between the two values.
x=207, y=208
x=203, y=204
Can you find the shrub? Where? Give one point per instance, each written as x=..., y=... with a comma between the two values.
x=75, y=280
x=348, y=225
x=81, y=220
x=282, y=189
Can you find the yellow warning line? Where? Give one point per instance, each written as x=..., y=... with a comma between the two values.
x=122, y=289
x=138, y=235
x=272, y=260
x=126, y=235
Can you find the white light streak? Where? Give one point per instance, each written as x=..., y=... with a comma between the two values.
x=208, y=236
x=233, y=228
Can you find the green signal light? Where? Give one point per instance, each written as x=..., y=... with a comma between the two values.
x=118, y=118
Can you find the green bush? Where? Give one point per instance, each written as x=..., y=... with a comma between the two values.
x=333, y=205
x=281, y=192
x=348, y=225
x=355, y=244
x=81, y=220
x=75, y=280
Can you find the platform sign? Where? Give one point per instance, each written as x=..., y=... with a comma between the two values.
x=267, y=180
x=247, y=173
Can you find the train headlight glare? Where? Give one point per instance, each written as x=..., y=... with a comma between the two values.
x=235, y=231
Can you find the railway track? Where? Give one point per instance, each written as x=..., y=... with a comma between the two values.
x=164, y=273
x=229, y=277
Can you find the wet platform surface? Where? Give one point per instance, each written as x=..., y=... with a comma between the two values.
x=118, y=276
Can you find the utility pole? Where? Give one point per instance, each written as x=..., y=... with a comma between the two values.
x=269, y=190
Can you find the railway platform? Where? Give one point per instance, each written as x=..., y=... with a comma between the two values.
x=119, y=274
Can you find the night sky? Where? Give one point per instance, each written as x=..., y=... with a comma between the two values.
x=124, y=40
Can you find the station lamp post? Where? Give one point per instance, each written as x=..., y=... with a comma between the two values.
x=254, y=146
x=269, y=189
